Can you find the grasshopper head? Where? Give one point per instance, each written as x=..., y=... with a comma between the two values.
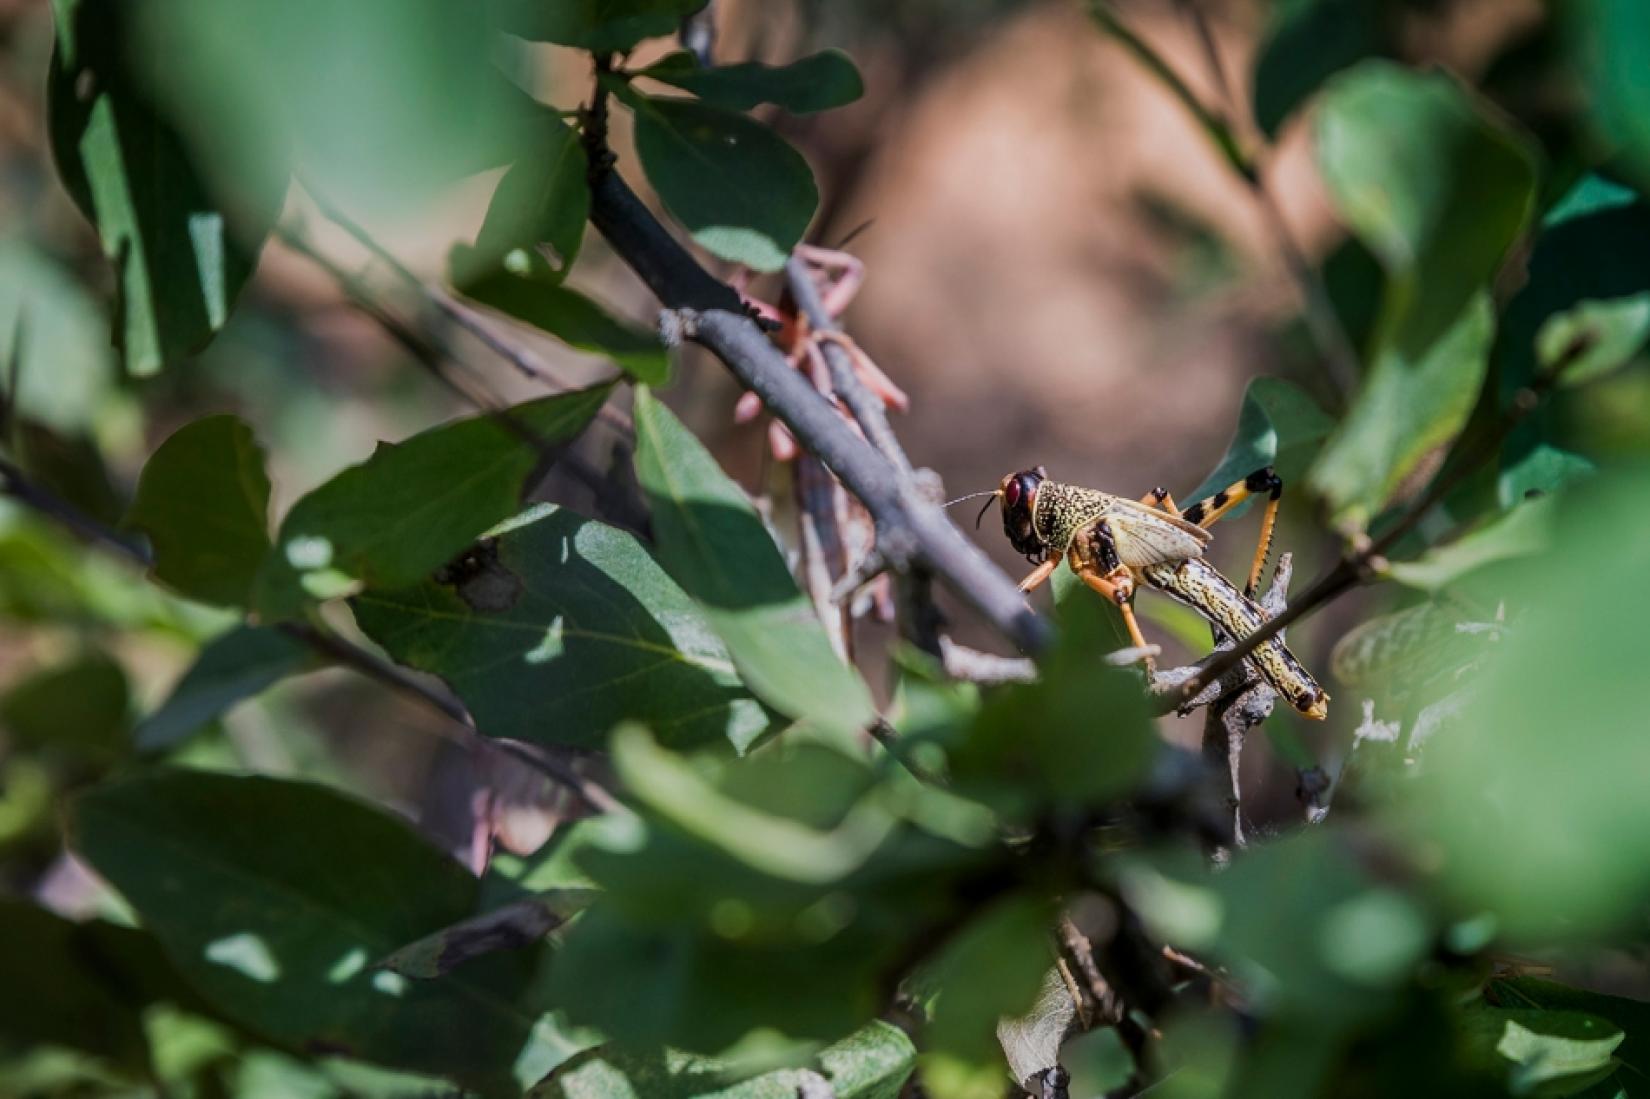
x=1018, y=496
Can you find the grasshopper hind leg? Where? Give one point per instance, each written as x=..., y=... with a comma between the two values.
x=1207, y=512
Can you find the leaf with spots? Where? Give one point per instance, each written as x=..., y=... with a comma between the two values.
x=556, y=629
x=394, y=518
x=273, y=898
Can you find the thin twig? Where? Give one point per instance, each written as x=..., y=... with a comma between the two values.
x=866, y=406
x=888, y=736
x=399, y=679
x=1322, y=321
x=16, y=484
x=488, y=335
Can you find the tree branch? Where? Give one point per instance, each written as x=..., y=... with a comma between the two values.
x=910, y=528
x=866, y=406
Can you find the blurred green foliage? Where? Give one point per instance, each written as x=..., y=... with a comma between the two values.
x=777, y=905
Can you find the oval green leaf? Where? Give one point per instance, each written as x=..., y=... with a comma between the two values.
x=273, y=898
x=575, y=320
x=743, y=192
x=414, y=505
x=556, y=629
x=203, y=501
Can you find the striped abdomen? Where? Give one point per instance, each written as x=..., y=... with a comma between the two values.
x=1197, y=584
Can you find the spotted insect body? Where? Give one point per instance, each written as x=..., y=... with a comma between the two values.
x=1114, y=543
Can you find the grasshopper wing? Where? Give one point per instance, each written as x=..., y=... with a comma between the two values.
x=1145, y=536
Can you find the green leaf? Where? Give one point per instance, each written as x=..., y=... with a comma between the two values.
x=709, y=990
x=78, y=712
x=1404, y=411
x=871, y=1063
x=540, y=203
x=1308, y=42
x=74, y=1001
x=557, y=628
x=1611, y=47
x=203, y=500
x=992, y=968
x=817, y=82
x=1076, y=738
x=66, y=371
x=1278, y=426
x=1525, y=530
x=1594, y=338
x=231, y=668
x=743, y=192
x=1557, y=1052
x=273, y=898
x=1526, y=800
x=1438, y=192
x=181, y=259
x=1434, y=187
x=714, y=545
x=1543, y=469
x=413, y=505
x=1632, y=1017
x=777, y=845
x=575, y=320
x=600, y=26
x=1574, y=261
x=262, y=88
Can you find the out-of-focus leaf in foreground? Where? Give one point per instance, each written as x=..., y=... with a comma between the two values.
x=273, y=898
x=181, y=253
x=871, y=1063
x=1528, y=806
x=376, y=105
x=1438, y=191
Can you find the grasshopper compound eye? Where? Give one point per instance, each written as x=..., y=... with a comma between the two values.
x=1012, y=493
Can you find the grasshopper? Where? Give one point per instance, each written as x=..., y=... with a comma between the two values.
x=1115, y=544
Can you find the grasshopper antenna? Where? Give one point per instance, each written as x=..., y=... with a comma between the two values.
x=975, y=496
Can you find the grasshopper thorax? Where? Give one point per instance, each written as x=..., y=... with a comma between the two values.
x=1018, y=496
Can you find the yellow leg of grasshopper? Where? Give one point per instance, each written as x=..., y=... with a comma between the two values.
x=1206, y=513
